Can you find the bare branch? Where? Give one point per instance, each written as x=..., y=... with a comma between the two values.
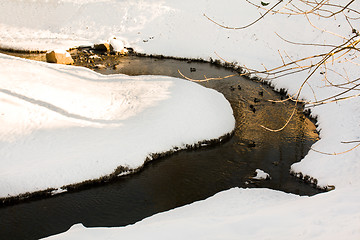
x=205, y=78
x=246, y=26
x=334, y=154
x=347, y=51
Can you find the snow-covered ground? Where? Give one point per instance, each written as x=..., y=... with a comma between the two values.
x=62, y=125
x=178, y=28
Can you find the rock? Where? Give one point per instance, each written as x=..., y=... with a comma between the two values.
x=129, y=49
x=59, y=57
x=251, y=144
x=102, y=47
x=252, y=108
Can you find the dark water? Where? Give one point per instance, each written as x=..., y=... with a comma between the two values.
x=186, y=176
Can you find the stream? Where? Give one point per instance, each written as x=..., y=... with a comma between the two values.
x=186, y=176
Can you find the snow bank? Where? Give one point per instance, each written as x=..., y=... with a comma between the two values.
x=178, y=28
x=62, y=125
x=243, y=214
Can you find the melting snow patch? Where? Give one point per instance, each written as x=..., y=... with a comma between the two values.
x=260, y=175
x=58, y=191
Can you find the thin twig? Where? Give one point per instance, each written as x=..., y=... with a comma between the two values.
x=246, y=26
x=205, y=79
x=334, y=154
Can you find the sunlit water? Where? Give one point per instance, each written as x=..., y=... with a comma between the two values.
x=186, y=176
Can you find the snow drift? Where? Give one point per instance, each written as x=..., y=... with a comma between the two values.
x=62, y=125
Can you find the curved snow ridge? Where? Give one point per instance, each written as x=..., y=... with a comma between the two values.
x=62, y=125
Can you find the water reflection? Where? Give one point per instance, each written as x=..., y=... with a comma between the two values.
x=251, y=147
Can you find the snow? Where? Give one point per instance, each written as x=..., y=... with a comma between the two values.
x=61, y=51
x=117, y=44
x=62, y=125
x=243, y=214
x=58, y=191
x=260, y=175
x=178, y=28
